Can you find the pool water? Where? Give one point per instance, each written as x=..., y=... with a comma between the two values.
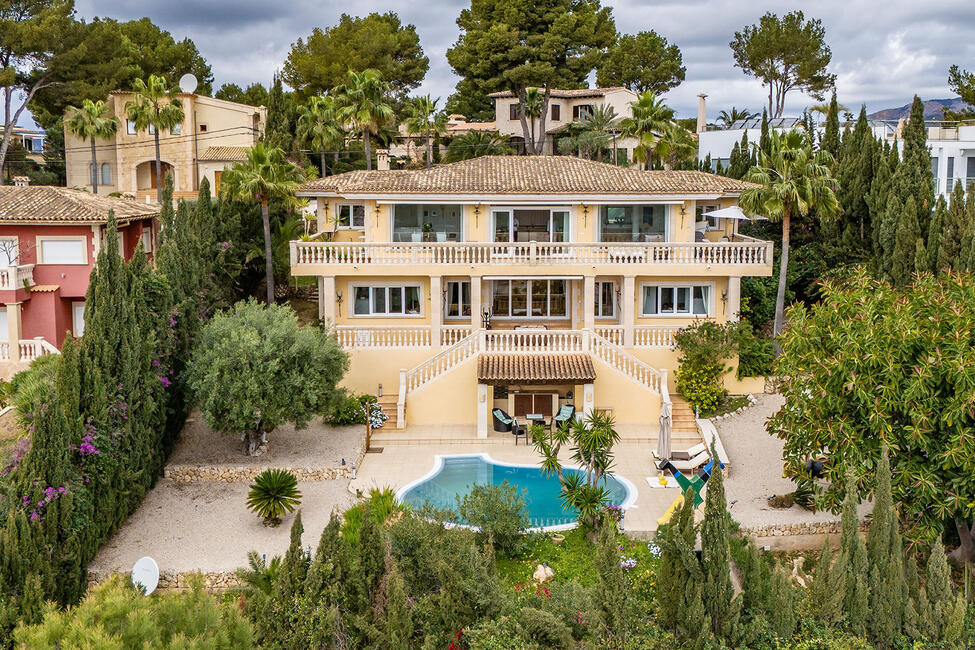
x=458, y=474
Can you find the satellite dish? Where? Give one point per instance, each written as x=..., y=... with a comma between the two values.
x=187, y=83
x=145, y=574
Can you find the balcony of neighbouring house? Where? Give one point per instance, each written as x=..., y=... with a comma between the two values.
x=16, y=277
x=744, y=257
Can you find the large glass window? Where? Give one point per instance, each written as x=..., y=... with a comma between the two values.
x=531, y=225
x=681, y=300
x=605, y=300
x=632, y=223
x=386, y=301
x=427, y=223
x=62, y=251
x=458, y=299
x=350, y=215
x=530, y=299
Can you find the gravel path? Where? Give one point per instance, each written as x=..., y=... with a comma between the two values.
x=206, y=526
x=756, y=470
x=315, y=445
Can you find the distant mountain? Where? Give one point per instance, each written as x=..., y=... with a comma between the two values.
x=933, y=109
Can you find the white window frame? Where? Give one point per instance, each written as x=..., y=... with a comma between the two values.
x=372, y=286
x=145, y=236
x=7, y=253
x=74, y=318
x=130, y=127
x=675, y=286
x=711, y=221
x=528, y=296
x=448, y=300
x=4, y=325
x=569, y=238
x=599, y=218
x=598, y=305
x=352, y=207
x=105, y=171
x=40, y=248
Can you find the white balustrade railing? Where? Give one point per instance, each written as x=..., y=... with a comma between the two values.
x=16, y=277
x=653, y=336
x=612, y=333
x=451, y=334
x=518, y=341
x=439, y=364
x=355, y=337
x=305, y=253
x=637, y=370
x=29, y=349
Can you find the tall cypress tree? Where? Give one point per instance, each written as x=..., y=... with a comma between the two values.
x=933, y=247
x=397, y=622
x=855, y=174
x=853, y=560
x=675, y=538
x=913, y=177
x=831, y=130
x=908, y=240
x=764, y=141
x=940, y=598
x=277, y=132
x=782, y=616
x=717, y=591
x=826, y=593
x=966, y=252
x=953, y=229
x=877, y=202
x=611, y=588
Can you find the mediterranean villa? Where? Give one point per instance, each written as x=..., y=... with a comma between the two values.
x=214, y=134
x=523, y=283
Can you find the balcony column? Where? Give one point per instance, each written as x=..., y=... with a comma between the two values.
x=326, y=298
x=588, y=302
x=13, y=329
x=436, y=309
x=588, y=400
x=483, y=410
x=629, y=298
x=733, y=306
x=475, y=302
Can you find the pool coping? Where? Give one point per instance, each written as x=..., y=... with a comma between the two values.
x=438, y=461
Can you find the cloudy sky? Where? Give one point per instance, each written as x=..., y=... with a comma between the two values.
x=884, y=51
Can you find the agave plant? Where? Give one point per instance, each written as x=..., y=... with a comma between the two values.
x=274, y=493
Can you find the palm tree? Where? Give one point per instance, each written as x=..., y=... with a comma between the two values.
x=155, y=107
x=93, y=121
x=475, y=144
x=675, y=145
x=794, y=180
x=593, y=133
x=726, y=119
x=266, y=175
x=424, y=119
x=320, y=128
x=534, y=101
x=273, y=493
x=650, y=117
x=362, y=103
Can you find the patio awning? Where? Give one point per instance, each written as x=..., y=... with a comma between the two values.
x=503, y=369
x=734, y=212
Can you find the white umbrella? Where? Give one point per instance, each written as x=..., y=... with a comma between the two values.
x=734, y=212
x=663, y=442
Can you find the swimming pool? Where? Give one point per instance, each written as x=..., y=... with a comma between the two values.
x=454, y=476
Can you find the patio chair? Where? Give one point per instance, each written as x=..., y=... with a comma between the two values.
x=564, y=416
x=502, y=421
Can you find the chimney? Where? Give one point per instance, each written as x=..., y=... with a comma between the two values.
x=382, y=160
x=21, y=181
x=702, y=113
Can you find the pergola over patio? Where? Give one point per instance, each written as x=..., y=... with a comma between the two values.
x=531, y=369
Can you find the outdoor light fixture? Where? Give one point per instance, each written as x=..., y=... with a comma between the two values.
x=338, y=302
x=724, y=300
x=683, y=213
x=585, y=215
x=477, y=213
x=380, y=392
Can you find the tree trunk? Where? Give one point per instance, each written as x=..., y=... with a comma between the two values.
x=966, y=549
x=94, y=167
x=268, y=255
x=527, y=136
x=429, y=152
x=541, y=120
x=10, y=121
x=252, y=441
x=321, y=159
x=368, y=149
x=159, y=185
x=783, y=267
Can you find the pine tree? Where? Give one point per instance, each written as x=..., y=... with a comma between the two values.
x=933, y=249
x=831, y=130
x=907, y=241
x=826, y=593
x=717, y=590
x=953, y=230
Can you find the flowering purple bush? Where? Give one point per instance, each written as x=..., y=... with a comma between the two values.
x=17, y=453
x=49, y=494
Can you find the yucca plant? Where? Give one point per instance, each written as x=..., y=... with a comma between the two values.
x=274, y=493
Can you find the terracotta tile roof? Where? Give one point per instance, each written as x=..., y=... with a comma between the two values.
x=224, y=154
x=525, y=175
x=61, y=205
x=535, y=369
x=565, y=94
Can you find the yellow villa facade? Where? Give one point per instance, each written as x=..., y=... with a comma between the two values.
x=522, y=284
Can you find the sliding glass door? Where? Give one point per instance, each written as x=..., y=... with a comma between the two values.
x=527, y=225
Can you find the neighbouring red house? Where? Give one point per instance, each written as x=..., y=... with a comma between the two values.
x=49, y=240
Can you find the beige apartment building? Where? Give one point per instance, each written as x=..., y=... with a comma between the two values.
x=523, y=283
x=214, y=134
x=565, y=107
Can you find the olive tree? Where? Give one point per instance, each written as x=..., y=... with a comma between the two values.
x=873, y=365
x=255, y=368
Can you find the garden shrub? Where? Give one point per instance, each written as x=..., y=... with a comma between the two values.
x=498, y=511
x=545, y=628
x=701, y=387
x=348, y=410
x=502, y=634
x=755, y=358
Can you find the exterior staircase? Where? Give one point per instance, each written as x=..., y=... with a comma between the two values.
x=684, y=433
x=388, y=404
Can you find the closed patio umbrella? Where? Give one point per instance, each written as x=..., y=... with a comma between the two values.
x=663, y=441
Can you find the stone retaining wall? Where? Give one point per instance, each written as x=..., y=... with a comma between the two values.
x=218, y=474
x=807, y=528
x=214, y=581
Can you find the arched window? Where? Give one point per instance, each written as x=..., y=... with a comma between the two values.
x=106, y=174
